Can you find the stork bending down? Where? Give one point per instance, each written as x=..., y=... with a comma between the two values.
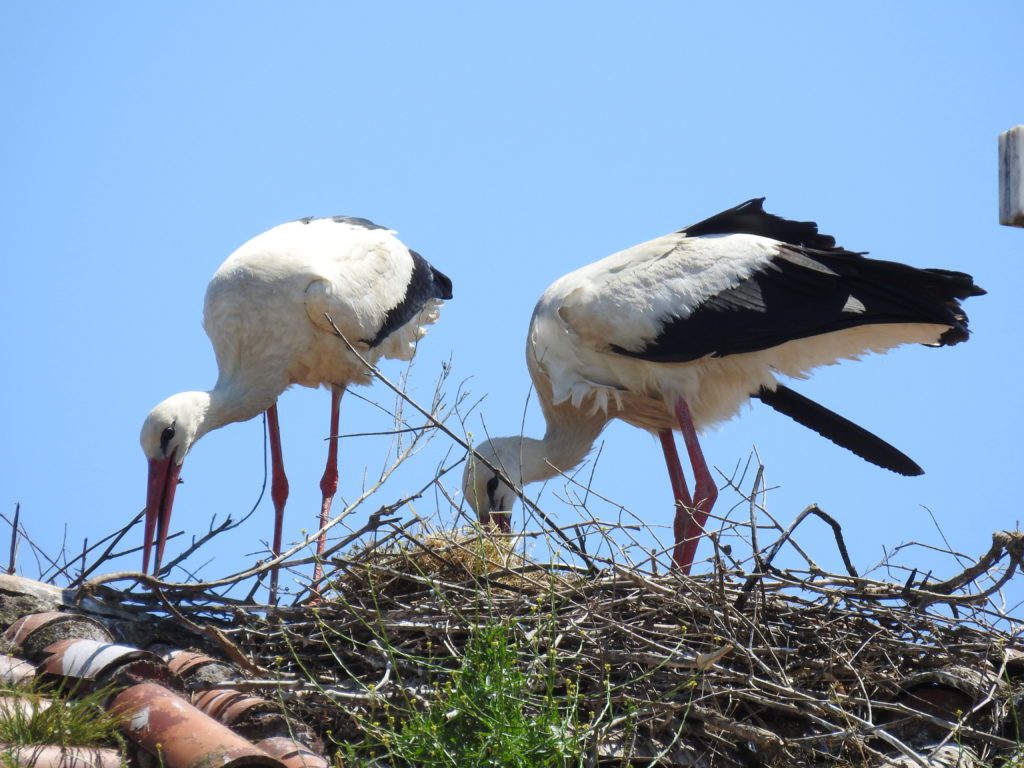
x=268, y=313
x=678, y=332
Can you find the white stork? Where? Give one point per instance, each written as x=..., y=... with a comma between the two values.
x=266, y=313
x=680, y=331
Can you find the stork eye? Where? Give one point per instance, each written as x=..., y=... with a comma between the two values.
x=492, y=487
x=165, y=438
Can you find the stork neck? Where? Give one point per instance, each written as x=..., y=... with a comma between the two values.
x=227, y=403
x=564, y=445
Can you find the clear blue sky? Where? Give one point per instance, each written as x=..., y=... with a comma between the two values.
x=509, y=143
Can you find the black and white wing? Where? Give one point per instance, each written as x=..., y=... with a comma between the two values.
x=807, y=286
x=746, y=281
x=379, y=292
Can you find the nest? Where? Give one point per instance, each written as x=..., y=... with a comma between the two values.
x=769, y=667
x=750, y=664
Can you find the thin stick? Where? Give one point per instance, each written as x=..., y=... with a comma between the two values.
x=813, y=509
x=753, y=518
x=115, y=540
x=12, y=563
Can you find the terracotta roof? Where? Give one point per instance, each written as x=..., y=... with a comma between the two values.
x=177, y=704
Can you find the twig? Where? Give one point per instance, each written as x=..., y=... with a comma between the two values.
x=12, y=562
x=1008, y=542
x=115, y=539
x=813, y=509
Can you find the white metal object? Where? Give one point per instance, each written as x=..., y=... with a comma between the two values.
x=1011, y=177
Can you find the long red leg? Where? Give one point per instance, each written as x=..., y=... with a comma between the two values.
x=683, y=501
x=328, y=483
x=705, y=492
x=278, y=491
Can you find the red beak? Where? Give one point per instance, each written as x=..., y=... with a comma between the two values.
x=163, y=481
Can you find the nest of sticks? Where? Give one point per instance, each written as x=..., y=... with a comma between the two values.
x=754, y=663
x=769, y=667
x=750, y=664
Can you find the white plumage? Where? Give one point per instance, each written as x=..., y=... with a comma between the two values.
x=677, y=333
x=625, y=300
x=266, y=313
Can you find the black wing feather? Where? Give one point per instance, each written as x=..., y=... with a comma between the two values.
x=750, y=218
x=839, y=430
x=809, y=288
x=425, y=283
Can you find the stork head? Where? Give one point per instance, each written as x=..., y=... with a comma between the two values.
x=483, y=488
x=167, y=434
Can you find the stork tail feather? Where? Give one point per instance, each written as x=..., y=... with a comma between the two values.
x=839, y=430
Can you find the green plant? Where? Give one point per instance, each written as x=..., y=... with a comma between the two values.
x=485, y=715
x=54, y=715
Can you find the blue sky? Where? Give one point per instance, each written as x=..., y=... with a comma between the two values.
x=142, y=143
